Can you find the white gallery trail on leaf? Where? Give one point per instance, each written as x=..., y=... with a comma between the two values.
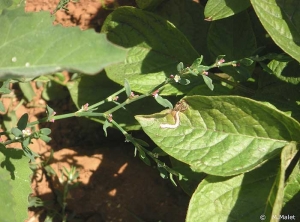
x=172, y=126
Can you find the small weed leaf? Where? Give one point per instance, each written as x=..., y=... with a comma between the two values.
x=164, y=102
x=246, y=61
x=208, y=82
x=180, y=67
x=45, y=138
x=16, y=132
x=27, y=151
x=127, y=88
x=184, y=81
x=45, y=131
x=50, y=113
x=105, y=126
x=219, y=58
x=49, y=170
x=172, y=180
x=197, y=62
x=163, y=172
x=145, y=159
x=22, y=123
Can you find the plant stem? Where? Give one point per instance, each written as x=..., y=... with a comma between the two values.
x=108, y=99
x=140, y=147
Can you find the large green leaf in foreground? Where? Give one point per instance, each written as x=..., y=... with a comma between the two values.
x=31, y=46
x=222, y=135
x=277, y=193
x=241, y=198
x=155, y=46
x=14, y=183
x=281, y=19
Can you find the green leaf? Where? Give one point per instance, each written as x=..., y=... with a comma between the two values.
x=27, y=151
x=5, y=4
x=10, y=120
x=14, y=183
x=164, y=102
x=172, y=180
x=11, y=4
x=50, y=113
x=163, y=172
x=54, y=91
x=286, y=71
x=127, y=88
x=148, y=4
x=45, y=138
x=5, y=87
x=105, y=126
x=240, y=198
x=155, y=48
x=287, y=154
x=16, y=132
x=45, y=131
x=246, y=61
x=292, y=192
x=281, y=20
x=222, y=135
x=22, y=123
x=234, y=38
x=2, y=108
x=208, y=82
x=180, y=67
x=219, y=9
x=188, y=17
x=144, y=158
x=31, y=46
x=61, y=77
x=27, y=90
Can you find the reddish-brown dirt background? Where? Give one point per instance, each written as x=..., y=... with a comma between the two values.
x=114, y=185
